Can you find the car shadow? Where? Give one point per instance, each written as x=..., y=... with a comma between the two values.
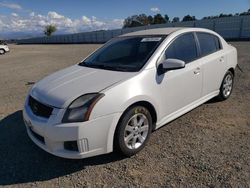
x=21, y=161
x=213, y=100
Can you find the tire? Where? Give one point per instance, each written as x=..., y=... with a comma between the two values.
x=133, y=131
x=226, y=86
x=2, y=51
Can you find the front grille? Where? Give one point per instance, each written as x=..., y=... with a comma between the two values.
x=37, y=136
x=39, y=109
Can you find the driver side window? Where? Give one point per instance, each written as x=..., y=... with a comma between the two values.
x=182, y=48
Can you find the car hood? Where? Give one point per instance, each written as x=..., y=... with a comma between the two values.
x=61, y=88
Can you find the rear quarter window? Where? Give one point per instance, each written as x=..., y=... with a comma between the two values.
x=208, y=43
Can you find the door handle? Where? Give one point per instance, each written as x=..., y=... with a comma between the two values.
x=197, y=70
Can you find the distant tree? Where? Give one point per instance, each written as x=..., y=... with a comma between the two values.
x=158, y=19
x=222, y=15
x=132, y=21
x=143, y=19
x=208, y=17
x=225, y=15
x=166, y=17
x=176, y=19
x=136, y=21
x=188, y=18
x=127, y=22
x=150, y=20
x=49, y=29
x=245, y=13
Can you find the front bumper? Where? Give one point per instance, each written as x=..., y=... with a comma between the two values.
x=6, y=49
x=93, y=137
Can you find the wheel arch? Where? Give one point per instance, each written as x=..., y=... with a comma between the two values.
x=143, y=103
x=147, y=105
x=232, y=70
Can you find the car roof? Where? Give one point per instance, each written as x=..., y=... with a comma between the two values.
x=158, y=31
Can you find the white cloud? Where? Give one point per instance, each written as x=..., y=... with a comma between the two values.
x=10, y=5
x=14, y=14
x=155, y=9
x=54, y=15
x=2, y=24
x=35, y=23
x=32, y=14
x=86, y=20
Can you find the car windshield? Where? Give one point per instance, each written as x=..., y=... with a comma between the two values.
x=127, y=54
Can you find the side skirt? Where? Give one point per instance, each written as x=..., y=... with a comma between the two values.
x=186, y=109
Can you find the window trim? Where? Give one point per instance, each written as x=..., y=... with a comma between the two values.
x=198, y=43
x=176, y=37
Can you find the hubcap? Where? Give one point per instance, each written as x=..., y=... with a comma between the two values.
x=227, y=85
x=136, y=131
x=1, y=52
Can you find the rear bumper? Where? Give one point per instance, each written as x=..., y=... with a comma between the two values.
x=93, y=137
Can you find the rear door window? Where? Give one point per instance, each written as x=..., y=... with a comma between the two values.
x=208, y=43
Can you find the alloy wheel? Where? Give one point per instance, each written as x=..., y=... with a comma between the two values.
x=136, y=131
x=227, y=85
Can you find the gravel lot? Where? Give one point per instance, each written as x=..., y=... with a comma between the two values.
x=208, y=147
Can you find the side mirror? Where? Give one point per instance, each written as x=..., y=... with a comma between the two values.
x=172, y=64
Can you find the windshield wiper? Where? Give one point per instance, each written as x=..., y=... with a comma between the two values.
x=103, y=66
x=115, y=68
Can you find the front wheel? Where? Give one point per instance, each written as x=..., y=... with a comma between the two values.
x=133, y=130
x=226, y=86
x=2, y=51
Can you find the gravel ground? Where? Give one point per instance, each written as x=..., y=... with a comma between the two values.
x=207, y=147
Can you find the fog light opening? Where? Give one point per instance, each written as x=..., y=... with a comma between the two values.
x=71, y=146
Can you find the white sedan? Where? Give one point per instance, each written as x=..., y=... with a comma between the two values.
x=132, y=85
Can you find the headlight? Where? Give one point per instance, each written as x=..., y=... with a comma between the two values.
x=79, y=110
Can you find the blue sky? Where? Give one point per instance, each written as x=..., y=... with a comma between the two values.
x=121, y=9
x=27, y=16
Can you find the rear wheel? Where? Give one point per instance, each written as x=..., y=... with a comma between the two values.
x=2, y=51
x=133, y=130
x=226, y=86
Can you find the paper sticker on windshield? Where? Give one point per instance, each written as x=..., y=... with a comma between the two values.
x=152, y=39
